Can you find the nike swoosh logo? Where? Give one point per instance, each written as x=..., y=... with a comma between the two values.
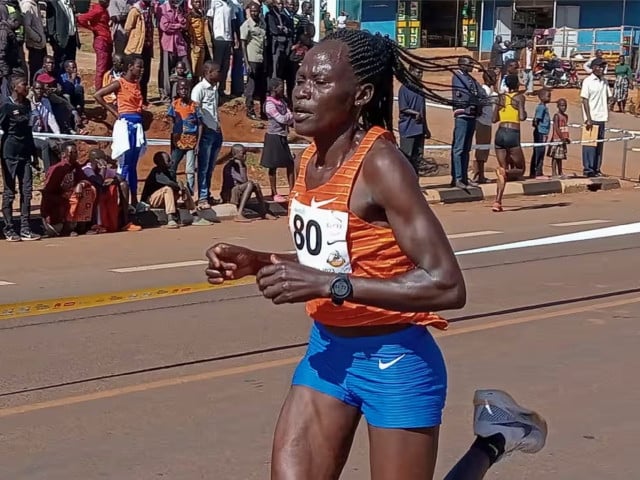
x=383, y=366
x=315, y=204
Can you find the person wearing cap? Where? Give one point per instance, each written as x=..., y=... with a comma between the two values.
x=595, y=94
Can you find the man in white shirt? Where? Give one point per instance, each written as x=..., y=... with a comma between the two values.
x=225, y=38
x=205, y=95
x=43, y=121
x=528, y=60
x=588, y=64
x=595, y=94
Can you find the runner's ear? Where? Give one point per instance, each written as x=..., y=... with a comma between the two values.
x=364, y=93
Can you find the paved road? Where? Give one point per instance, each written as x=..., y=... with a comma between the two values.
x=189, y=387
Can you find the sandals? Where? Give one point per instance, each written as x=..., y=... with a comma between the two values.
x=497, y=207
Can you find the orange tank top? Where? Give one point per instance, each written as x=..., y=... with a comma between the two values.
x=129, y=97
x=330, y=237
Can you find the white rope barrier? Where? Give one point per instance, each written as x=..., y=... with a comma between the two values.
x=164, y=142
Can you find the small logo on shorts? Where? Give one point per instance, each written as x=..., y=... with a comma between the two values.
x=383, y=366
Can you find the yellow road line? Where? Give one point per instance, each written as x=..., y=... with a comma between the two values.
x=253, y=367
x=11, y=311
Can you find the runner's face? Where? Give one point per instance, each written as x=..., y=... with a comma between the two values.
x=326, y=91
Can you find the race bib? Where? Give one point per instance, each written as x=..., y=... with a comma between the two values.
x=320, y=237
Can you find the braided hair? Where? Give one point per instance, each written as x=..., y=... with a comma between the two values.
x=377, y=59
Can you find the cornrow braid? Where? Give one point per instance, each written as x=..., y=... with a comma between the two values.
x=377, y=59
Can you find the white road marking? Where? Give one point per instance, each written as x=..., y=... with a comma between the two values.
x=606, y=232
x=159, y=266
x=581, y=222
x=473, y=234
x=4, y=284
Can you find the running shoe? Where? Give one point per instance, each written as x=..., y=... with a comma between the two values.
x=29, y=236
x=11, y=236
x=497, y=412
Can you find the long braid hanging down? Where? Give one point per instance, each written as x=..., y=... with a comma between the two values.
x=377, y=59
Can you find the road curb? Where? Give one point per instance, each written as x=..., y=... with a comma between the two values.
x=516, y=189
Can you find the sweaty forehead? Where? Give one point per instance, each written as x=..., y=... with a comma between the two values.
x=330, y=57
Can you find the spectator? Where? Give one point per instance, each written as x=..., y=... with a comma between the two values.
x=181, y=72
x=483, y=126
x=412, y=124
x=161, y=190
x=10, y=61
x=118, y=13
x=196, y=27
x=71, y=85
x=112, y=204
x=68, y=197
x=624, y=82
x=305, y=19
x=18, y=152
x=541, y=128
x=186, y=134
x=595, y=94
x=342, y=20
x=588, y=65
x=35, y=36
x=511, y=67
x=237, y=188
x=43, y=121
x=528, y=61
x=128, y=134
x=253, y=36
x=62, y=31
x=495, y=59
x=173, y=26
x=328, y=24
x=558, y=153
x=221, y=15
x=466, y=108
x=509, y=53
x=276, y=153
x=279, y=38
x=139, y=29
x=205, y=95
x=112, y=75
x=97, y=20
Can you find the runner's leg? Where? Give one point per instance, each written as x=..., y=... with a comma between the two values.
x=313, y=436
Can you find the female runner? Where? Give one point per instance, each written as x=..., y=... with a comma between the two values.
x=371, y=265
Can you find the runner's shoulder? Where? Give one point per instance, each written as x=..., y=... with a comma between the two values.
x=385, y=162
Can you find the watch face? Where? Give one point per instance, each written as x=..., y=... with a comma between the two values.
x=341, y=288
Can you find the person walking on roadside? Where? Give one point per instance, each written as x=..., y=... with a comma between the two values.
x=595, y=94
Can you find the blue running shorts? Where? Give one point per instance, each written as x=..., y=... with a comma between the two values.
x=397, y=380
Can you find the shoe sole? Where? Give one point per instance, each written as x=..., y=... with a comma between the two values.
x=500, y=397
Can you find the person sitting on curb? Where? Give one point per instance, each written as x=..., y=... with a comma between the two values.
x=237, y=188
x=161, y=190
x=112, y=205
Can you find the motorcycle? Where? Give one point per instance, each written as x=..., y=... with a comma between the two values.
x=558, y=73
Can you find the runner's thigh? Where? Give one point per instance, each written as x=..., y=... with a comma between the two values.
x=313, y=436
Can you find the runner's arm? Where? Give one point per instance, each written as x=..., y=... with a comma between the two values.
x=437, y=282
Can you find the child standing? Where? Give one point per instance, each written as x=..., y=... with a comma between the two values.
x=558, y=153
x=187, y=130
x=276, y=152
x=541, y=130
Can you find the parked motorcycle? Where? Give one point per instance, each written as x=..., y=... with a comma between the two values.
x=558, y=73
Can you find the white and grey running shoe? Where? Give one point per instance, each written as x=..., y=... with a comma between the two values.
x=497, y=412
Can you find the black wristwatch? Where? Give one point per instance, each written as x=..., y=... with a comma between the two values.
x=341, y=289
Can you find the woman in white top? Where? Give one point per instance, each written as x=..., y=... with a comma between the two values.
x=483, y=126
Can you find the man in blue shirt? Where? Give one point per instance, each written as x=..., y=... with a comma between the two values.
x=412, y=123
x=467, y=106
x=541, y=129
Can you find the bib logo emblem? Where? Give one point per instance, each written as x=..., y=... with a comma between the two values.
x=335, y=259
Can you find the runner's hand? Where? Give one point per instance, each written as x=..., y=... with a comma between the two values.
x=229, y=262
x=289, y=282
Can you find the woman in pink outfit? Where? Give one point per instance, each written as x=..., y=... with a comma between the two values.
x=276, y=152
